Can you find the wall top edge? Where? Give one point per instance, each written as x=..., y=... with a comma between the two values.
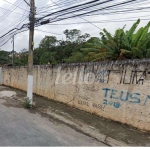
x=104, y=63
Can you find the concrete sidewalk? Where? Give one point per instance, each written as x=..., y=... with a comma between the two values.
x=104, y=130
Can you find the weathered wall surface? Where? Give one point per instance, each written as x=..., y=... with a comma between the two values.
x=115, y=90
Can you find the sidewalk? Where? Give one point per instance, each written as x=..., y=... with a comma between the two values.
x=104, y=130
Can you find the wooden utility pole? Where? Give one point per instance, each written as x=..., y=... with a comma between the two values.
x=13, y=52
x=30, y=57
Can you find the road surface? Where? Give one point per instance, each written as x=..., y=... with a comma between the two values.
x=21, y=127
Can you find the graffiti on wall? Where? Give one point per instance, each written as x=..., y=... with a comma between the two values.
x=111, y=97
x=102, y=76
x=130, y=77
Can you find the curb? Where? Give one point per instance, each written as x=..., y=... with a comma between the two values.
x=88, y=130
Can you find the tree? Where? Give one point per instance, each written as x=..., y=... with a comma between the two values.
x=75, y=36
x=48, y=43
x=122, y=45
x=45, y=53
x=5, y=57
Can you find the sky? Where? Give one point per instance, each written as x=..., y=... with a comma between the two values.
x=21, y=39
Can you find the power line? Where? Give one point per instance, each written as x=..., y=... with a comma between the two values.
x=7, y=12
x=138, y=3
x=71, y=10
x=23, y=15
x=125, y=11
x=91, y=6
x=81, y=14
x=14, y=23
x=74, y=7
x=48, y=32
x=10, y=37
x=61, y=3
x=15, y=29
x=27, y=3
x=82, y=18
x=99, y=9
x=13, y=4
x=117, y=13
x=133, y=2
x=20, y=20
x=107, y=21
x=10, y=11
x=53, y=6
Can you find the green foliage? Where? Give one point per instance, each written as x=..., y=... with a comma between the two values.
x=27, y=103
x=75, y=36
x=4, y=57
x=148, y=53
x=75, y=57
x=137, y=53
x=52, y=51
x=124, y=44
x=131, y=31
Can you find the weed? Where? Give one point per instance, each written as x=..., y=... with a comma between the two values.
x=27, y=103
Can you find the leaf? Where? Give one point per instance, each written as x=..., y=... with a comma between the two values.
x=148, y=53
x=136, y=37
x=133, y=28
x=143, y=36
x=137, y=53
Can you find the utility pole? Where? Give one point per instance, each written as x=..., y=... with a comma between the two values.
x=13, y=51
x=30, y=57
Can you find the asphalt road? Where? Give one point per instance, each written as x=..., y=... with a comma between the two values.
x=20, y=127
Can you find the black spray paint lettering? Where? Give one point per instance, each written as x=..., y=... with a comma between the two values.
x=93, y=88
x=104, y=76
x=134, y=77
x=98, y=106
x=83, y=103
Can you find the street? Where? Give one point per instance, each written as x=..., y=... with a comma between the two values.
x=21, y=127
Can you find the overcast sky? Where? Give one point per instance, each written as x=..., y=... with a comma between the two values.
x=21, y=40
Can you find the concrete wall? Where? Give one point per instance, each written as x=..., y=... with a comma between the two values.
x=115, y=90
